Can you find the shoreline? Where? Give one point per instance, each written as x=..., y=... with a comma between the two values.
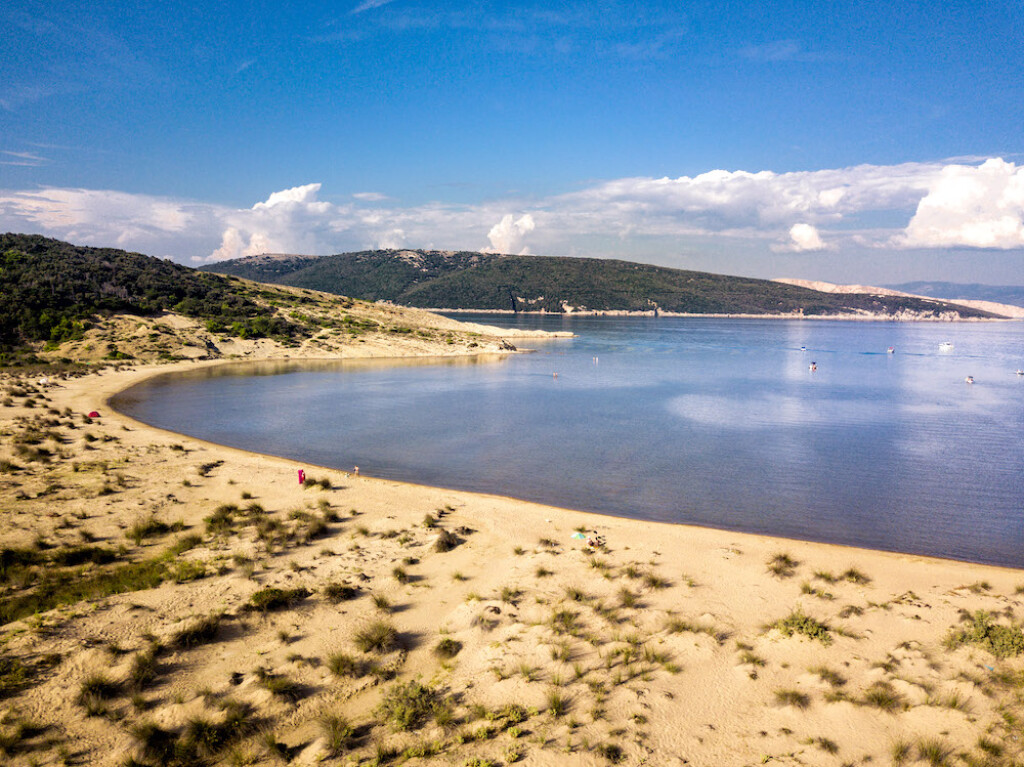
x=145, y=375
x=808, y=317
x=534, y=613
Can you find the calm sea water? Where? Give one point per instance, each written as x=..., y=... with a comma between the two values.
x=711, y=422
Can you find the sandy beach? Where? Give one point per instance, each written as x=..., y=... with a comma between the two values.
x=354, y=620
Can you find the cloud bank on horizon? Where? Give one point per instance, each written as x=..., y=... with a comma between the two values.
x=937, y=206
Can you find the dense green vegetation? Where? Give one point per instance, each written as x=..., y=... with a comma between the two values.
x=51, y=291
x=462, y=280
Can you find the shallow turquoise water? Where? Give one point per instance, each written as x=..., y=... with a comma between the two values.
x=705, y=421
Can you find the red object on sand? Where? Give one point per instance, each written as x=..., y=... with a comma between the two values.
x=94, y=414
x=302, y=477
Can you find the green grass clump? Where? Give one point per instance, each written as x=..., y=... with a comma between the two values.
x=342, y=664
x=853, y=575
x=447, y=648
x=883, y=696
x=831, y=677
x=222, y=520
x=409, y=705
x=565, y=622
x=1001, y=640
x=144, y=668
x=340, y=592
x=188, y=570
x=150, y=528
x=97, y=687
x=557, y=703
x=186, y=543
x=446, y=541
x=782, y=565
x=14, y=676
x=934, y=751
x=14, y=560
x=199, y=631
x=799, y=623
x=379, y=636
x=338, y=734
x=279, y=685
x=793, y=698
x=74, y=556
x=610, y=751
x=275, y=599
x=200, y=741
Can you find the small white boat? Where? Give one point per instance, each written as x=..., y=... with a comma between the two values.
x=969, y=379
x=946, y=346
x=891, y=350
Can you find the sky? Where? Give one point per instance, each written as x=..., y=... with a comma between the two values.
x=871, y=142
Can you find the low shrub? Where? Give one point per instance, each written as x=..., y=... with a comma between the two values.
x=799, y=623
x=340, y=592
x=408, y=706
x=1000, y=640
x=273, y=598
x=447, y=648
x=379, y=636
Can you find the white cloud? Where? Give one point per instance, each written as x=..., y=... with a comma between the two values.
x=26, y=159
x=370, y=196
x=507, y=235
x=959, y=204
x=297, y=194
x=974, y=206
x=803, y=238
x=367, y=5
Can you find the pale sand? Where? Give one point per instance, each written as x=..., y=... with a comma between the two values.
x=692, y=701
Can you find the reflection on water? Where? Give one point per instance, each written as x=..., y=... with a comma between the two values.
x=710, y=422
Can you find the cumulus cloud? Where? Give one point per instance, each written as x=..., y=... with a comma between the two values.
x=974, y=206
x=944, y=206
x=743, y=203
x=300, y=195
x=155, y=225
x=803, y=238
x=507, y=235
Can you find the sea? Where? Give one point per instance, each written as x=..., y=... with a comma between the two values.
x=808, y=429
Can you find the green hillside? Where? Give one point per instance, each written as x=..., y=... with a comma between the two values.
x=50, y=291
x=463, y=280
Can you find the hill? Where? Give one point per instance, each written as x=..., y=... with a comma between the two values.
x=478, y=281
x=65, y=302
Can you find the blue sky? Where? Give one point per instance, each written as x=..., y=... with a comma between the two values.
x=853, y=141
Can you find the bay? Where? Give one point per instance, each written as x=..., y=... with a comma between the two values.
x=706, y=421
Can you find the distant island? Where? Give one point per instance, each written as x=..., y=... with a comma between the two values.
x=462, y=280
x=951, y=291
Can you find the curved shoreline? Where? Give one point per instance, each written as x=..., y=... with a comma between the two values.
x=701, y=600
x=144, y=375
